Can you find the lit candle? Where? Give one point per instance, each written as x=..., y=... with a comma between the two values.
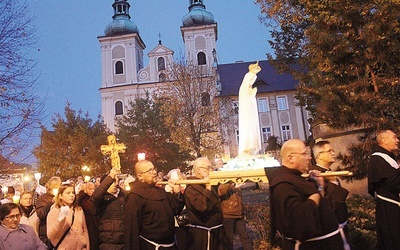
x=55, y=191
x=141, y=156
x=87, y=178
x=37, y=176
x=4, y=190
x=15, y=198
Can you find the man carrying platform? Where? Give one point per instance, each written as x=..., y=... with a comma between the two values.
x=299, y=213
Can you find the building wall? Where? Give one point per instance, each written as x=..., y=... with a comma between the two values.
x=295, y=117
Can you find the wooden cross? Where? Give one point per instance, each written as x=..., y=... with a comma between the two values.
x=113, y=149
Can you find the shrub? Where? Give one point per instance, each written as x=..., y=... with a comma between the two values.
x=361, y=222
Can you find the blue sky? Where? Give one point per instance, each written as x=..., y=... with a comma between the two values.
x=68, y=52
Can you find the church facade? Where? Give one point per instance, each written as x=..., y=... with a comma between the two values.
x=124, y=77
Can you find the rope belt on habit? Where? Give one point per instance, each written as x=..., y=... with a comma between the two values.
x=322, y=237
x=346, y=245
x=208, y=232
x=388, y=200
x=156, y=244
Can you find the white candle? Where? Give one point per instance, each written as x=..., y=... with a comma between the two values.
x=55, y=191
x=15, y=198
x=87, y=178
x=38, y=176
x=141, y=156
x=4, y=190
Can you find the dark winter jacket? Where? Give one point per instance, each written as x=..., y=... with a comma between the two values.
x=44, y=203
x=92, y=223
x=110, y=212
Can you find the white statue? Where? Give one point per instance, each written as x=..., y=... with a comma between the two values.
x=249, y=127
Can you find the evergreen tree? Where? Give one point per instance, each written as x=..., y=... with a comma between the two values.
x=73, y=142
x=346, y=55
x=143, y=130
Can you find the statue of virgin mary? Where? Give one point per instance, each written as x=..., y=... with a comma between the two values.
x=249, y=126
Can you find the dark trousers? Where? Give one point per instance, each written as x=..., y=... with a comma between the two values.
x=237, y=225
x=181, y=237
x=198, y=239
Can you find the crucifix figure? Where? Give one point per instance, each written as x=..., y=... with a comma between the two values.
x=113, y=149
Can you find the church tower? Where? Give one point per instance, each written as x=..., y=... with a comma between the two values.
x=122, y=58
x=200, y=34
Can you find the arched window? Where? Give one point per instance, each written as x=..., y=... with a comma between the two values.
x=119, y=68
x=161, y=63
x=205, y=99
x=162, y=77
x=119, y=109
x=201, y=58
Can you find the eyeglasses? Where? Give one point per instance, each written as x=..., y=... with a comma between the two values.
x=328, y=151
x=12, y=217
x=149, y=171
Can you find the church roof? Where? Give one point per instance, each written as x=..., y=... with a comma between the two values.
x=197, y=15
x=121, y=23
x=268, y=79
x=160, y=50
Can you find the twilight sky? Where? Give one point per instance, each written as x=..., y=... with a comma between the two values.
x=68, y=52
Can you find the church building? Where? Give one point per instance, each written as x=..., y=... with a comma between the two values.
x=124, y=77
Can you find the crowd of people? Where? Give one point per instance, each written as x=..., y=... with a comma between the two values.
x=306, y=213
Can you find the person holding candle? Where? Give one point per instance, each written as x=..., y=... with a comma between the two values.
x=13, y=234
x=44, y=202
x=66, y=225
x=29, y=215
x=8, y=196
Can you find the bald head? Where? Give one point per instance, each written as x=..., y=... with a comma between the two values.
x=146, y=172
x=141, y=166
x=291, y=146
x=388, y=140
x=294, y=155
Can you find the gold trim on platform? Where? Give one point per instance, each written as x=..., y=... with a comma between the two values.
x=241, y=176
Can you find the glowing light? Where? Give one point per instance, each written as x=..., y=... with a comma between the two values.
x=86, y=178
x=38, y=176
x=15, y=198
x=55, y=191
x=141, y=156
